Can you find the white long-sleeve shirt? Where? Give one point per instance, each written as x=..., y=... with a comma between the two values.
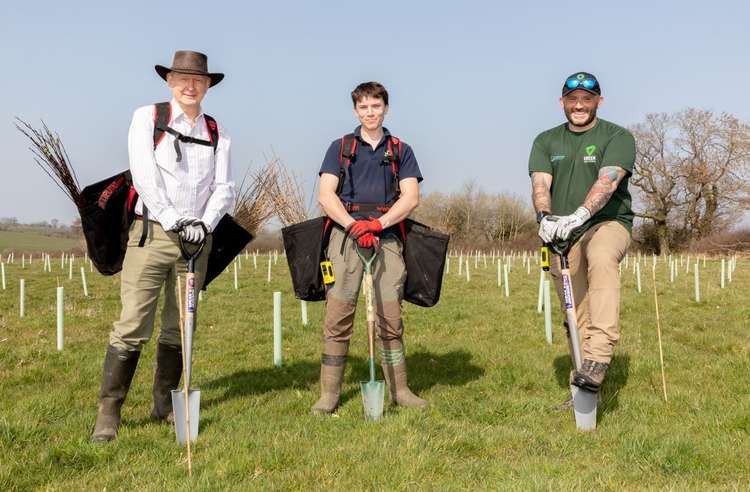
x=200, y=185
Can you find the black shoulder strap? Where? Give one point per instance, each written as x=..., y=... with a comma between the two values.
x=347, y=155
x=162, y=116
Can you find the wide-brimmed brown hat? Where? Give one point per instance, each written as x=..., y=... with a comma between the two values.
x=190, y=62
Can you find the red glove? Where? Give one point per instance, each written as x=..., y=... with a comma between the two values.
x=367, y=240
x=362, y=227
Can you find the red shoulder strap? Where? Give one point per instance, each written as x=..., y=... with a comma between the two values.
x=348, y=149
x=213, y=130
x=394, y=152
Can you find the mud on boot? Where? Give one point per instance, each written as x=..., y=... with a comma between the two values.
x=591, y=376
x=332, y=366
x=119, y=368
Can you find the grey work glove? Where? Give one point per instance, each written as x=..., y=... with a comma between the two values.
x=193, y=233
x=568, y=223
x=547, y=228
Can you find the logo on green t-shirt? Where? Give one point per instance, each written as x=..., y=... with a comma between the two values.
x=590, y=157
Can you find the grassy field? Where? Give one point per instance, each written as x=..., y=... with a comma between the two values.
x=32, y=242
x=480, y=358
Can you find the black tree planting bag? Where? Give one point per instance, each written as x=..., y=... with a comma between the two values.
x=305, y=244
x=229, y=239
x=105, y=220
x=108, y=213
x=424, y=256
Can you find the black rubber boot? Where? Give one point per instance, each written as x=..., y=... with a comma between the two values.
x=119, y=368
x=166, y=378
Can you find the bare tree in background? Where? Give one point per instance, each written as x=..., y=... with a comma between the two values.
x=476, y=218
x=691, y=174
x=653, y=174
x=716, y=170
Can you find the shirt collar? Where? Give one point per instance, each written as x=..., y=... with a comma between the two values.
x=358, y=133
x=178, y=112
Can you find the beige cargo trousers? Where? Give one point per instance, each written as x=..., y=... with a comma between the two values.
x=144, y=271
x=594, y=265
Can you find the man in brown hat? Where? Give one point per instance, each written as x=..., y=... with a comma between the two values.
x=180, y=164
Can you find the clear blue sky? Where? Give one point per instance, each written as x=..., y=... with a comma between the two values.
x=471, y=83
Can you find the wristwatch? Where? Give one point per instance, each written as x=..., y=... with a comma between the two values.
x=540, y=215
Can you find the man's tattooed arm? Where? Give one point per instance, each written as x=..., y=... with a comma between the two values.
x=605, y=186
x=541, y=184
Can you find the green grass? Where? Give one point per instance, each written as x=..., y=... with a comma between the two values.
x=481, y=360
x=33, y=242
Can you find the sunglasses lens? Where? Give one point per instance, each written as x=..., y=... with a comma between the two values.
x=588, y=84
x=572, y=83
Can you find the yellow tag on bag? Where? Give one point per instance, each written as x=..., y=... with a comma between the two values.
x=326, y=267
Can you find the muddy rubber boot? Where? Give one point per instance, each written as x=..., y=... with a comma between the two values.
x=332, y=366
x=591, y=376
x=166, y=378
x=393, y=362
x=119, y=368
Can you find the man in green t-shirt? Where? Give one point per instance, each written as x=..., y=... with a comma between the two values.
x=579, y=173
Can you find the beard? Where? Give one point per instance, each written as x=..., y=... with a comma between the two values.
x=592, y=115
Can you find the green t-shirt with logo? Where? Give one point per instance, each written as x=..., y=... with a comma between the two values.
x=574, y=160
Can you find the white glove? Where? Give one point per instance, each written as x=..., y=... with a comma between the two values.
x=193, y=233
x=548, y=227
x=184, y=221
x=568, y=223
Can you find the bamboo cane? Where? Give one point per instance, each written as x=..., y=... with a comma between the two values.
x=658, y=332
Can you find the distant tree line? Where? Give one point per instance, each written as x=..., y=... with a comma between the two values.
x=477, y=219
x=52, y=227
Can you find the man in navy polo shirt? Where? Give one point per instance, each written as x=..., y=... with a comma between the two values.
x=367, y=201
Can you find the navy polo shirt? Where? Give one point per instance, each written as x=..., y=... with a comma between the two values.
x=370, y=175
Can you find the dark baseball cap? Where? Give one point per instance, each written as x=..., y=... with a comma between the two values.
x=581, y=80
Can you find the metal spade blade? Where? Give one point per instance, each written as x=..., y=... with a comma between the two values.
x=180, y=418
x=584, y=408
x=373, y=395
